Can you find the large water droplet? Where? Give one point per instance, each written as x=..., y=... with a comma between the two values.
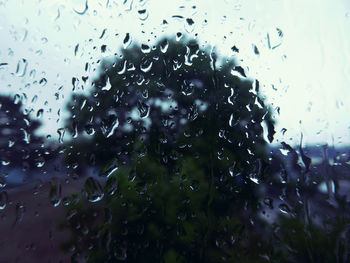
x=108, y=126
x=143, y=109
x=164, y=46
x=60, y=132
x=143, y=14
x=146, y=66
x=93, y=190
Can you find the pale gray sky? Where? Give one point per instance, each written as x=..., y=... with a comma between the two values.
x=306, y=73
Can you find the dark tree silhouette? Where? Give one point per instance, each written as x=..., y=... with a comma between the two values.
x=20, y=147
x=162, y=90
x=178, y=134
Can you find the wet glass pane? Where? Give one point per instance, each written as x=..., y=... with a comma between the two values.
x=174, y=131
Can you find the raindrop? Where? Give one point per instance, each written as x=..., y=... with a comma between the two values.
x=11, y=143
x=123, y=70
x=284, y=208
x=76, y=49
x=109, y=126
x=39, y=113
x=60, y=132
x=145, y=49
x=17, y=99
x=178, y=36
x=26, y=136
x=75, y=83
x=232, y=121
x=5, y=162
x=143, y=14
x=110, y=170
x=85, y=9
x=3, y=200
x=143, y=109
x=189, y=26
x=55, y=192
x=232, y=170
x=103, y=33
x=43, y=82
x=22, y=66
x=187, y=88
x=40, y=162
x=274, y=38
x=256, y=50
x=235, y=49
x=2, y=182
x=89, y=129
x=127, y=40
x=75, y=129
x=93, y=190
x=164, y=46
x=238, y=71
x=146, y=66
x=108, y=85
x=3, y=65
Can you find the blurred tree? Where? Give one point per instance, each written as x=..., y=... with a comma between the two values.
x=178, y=134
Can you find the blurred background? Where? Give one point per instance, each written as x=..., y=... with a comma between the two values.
x=93, y=91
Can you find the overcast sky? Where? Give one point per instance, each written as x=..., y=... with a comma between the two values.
x=303, y=64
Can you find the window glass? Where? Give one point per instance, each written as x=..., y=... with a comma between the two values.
x=174, y=131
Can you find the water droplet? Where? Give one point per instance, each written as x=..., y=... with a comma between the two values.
x=17, y=99
x=284, y=208
x=189, y=26
x=146, y=66
x=178, y=36
x=145, y=48
x=127, y=40
x=108, y=85
x=109, y=126
x=60, y=132
x=3, y=200
x=235, y=49
x=40, y=162
x=2, y=182
x=75, y=129
x=43, y=82
x=110, y=170
x=39, y=113
x=143, y=14
x=187, y=88
x=164, y=46
x=93, y=190
x=143, y=109
x=84, y=10
x=274, y=38
x=11, y=143
x=55, y=192
x=22, y=66
x=89, y=129
x=3, y=65
x=254, y=178
x=238, y=71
